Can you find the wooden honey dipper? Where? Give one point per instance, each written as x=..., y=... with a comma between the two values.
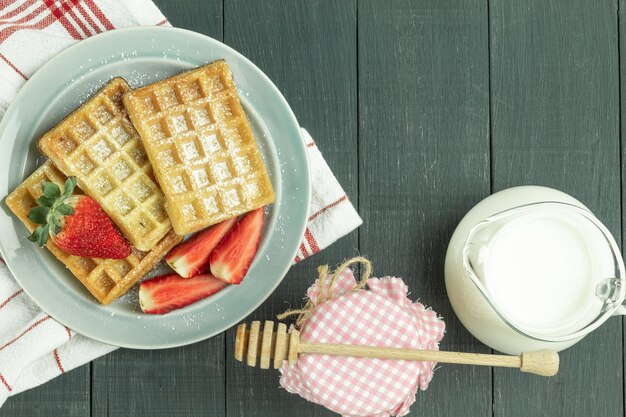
x=281, y=345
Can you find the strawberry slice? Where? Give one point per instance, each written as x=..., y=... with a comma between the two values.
x=191, y=257
x=162, y=294
x=231, y=259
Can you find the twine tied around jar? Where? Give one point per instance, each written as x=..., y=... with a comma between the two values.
x=323, y=296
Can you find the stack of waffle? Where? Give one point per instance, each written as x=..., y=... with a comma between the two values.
x=187, y=160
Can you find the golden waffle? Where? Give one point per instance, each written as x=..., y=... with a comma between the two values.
x=201, y=147
x=106, y=279
x=98, y=145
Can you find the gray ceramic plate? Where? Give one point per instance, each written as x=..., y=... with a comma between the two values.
x=144, y=55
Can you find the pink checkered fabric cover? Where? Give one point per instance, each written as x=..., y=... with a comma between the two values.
x=380, y=316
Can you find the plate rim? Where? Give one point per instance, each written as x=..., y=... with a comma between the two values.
x=41, y=72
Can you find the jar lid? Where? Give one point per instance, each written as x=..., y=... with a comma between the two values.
x=381, y=316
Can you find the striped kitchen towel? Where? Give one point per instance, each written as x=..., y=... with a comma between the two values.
x=35, y=348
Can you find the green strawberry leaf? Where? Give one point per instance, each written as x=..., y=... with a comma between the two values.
x=43, y=236
x=45, y=201
x=70, y=184
x=54, y=220
x=51, y=190
x=51, y=207
x=38, y=214
x=65, y=209
x=34, y=237
x=40, y=235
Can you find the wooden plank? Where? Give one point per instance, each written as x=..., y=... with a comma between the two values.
x=67, y=395
x=622, y=65
x=188, y=381
x=555, y=115
x=197, y=15
x=424, y=149
x=309, y=50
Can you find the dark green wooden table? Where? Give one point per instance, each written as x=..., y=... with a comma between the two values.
x=421, y=108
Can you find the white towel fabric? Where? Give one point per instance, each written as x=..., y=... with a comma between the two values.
x=35, y=348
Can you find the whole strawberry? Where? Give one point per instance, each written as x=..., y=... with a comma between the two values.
x=76, y=223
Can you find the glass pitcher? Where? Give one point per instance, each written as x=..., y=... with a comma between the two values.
x=548, y=270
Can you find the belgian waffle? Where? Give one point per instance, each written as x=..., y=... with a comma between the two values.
x=106, y=279
x=98, y=144
x=201, y=147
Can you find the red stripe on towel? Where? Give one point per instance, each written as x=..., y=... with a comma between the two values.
x=311, y=241
x=59, y=13
x=45, y=22
x=6, y=384
x=17, y=10
x=84, y=13
x=53, y=16
x=9, y=63
x=80, y=24
x=303, y=250
x=98, y=13
x=24, y=19
x=58, y=361
x=331, y=205
x=32, y=326
x=15, y=294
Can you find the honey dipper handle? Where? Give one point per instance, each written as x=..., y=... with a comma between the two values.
x=542, y=362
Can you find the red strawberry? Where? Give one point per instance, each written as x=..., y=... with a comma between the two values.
x=192, y=256
x=76, y=223
x=160, y=295
x=231, y=259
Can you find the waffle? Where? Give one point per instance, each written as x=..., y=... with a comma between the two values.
x=201, y=146
x=98, y=145
x=106, y=279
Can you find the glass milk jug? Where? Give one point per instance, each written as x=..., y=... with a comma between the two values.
x=531, y=268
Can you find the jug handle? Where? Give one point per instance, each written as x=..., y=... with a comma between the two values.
x=467, y=264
